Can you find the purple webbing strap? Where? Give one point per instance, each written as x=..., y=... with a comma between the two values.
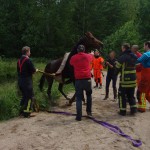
x=111, y=127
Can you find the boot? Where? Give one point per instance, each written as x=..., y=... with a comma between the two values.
x=100, y=87
x=96, y=86
x=122, y=112
x=133, y=110
x=106, y=96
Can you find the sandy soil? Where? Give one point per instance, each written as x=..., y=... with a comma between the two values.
x=56, y=132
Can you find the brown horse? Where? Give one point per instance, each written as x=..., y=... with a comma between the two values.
x=89, y=41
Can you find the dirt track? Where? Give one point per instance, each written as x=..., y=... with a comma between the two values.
x=56, y=132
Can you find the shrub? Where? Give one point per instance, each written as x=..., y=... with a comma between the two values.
x=127, y=33
x=9, y=98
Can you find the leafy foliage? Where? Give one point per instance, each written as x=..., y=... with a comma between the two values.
x=144, y=19
x=52, y=27
x=9, y=92
x=126, y=34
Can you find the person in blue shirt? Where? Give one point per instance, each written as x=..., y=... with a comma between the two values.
x=144, y=84
x=145, y=58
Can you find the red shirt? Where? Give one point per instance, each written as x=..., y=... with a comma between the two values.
x=138, y=54
x=81, y=63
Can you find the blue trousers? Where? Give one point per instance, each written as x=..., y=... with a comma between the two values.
x=80, y=86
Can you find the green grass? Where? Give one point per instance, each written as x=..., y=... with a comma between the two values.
x=9, y=97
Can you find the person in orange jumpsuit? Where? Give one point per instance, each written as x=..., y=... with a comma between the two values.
x=139, y=67
x=144, y=84
x=135, y=49
x=97, y=66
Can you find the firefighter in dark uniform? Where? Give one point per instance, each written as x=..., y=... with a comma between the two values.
x=126, y=66
x=25, y=69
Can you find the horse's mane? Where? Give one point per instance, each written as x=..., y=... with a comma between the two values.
x=82, y=41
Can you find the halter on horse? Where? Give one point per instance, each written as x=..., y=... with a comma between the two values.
x=89, y=41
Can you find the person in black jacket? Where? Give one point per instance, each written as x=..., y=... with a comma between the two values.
x=25, y=69
x=110, y=64
x=126, y=66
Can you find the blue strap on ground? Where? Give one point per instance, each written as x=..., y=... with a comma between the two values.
x=115, y=129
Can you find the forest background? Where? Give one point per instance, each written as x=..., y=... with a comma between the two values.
x=52, y=27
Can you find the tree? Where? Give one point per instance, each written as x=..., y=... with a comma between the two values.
x=143, y=19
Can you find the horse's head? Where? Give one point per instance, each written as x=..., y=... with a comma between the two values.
x=92, y=42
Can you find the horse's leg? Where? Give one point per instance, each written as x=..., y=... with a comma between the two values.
x=50, y=100
x=50, y=83
x=68, y=81
x=73, y=98
x=60, y=88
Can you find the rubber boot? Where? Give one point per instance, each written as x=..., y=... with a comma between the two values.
x=133, y=110
x=122, y=112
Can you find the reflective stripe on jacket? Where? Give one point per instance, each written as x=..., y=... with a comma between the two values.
x=126, y=66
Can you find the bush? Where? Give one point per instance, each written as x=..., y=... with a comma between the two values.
x=7, y=69
x=127, y=33
x=9, y=101
x=9, y=98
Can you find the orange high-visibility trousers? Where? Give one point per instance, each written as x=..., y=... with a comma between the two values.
x=144, y=89
x=138, y=78
x=97, y=76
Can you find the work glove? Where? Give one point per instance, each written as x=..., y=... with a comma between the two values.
x=36, y=70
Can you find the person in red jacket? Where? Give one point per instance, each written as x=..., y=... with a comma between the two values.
x=81, y=64
x=135, y=49
x=97, y=68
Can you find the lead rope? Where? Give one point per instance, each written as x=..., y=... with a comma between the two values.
x=115, y=129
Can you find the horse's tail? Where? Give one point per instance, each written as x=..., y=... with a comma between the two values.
x=42, y=80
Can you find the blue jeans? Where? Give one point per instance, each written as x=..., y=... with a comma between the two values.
x=80, y=86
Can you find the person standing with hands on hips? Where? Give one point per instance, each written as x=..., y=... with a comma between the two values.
x=26, y=69
x=110, y=64
x=81, y=64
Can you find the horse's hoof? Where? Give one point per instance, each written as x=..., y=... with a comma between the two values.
x=84, y=103
x=69, y=104
x=69, y=99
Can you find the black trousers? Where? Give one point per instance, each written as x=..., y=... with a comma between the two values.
x=26, y=88
x=108, y=80
x=126, y=95
x=80, y=86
